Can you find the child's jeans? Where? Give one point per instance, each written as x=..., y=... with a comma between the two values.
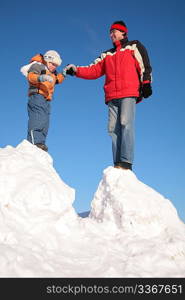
x=39, y=115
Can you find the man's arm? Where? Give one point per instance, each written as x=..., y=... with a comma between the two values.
x=92, y=71
x=145, y=70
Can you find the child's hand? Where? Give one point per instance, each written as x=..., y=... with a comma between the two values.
x=44, y=77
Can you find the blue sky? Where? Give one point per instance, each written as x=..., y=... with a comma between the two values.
x=78, y=140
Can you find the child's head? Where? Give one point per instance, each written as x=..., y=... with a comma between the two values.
x=52, y=59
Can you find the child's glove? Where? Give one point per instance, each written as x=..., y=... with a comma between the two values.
x=70, y=69
x=146, y=90
x=44, y=77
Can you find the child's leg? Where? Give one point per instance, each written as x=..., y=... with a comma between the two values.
x=38, y=123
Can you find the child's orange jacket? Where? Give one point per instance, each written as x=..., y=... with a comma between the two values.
x=44, y=88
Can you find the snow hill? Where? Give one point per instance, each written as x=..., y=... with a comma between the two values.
x=131, y=231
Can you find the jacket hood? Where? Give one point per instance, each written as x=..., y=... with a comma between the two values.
x=38, y=58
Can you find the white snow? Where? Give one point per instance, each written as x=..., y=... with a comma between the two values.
x=131, y=231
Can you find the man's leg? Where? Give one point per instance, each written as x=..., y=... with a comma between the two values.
x=114, y=128
x=127, y=119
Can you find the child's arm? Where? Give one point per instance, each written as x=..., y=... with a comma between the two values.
x=60, y=78
x=34, y=73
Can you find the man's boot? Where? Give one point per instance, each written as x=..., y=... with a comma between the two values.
x=123, y=165
x=42, y=146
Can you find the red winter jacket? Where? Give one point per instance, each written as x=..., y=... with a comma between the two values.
x=126, y=67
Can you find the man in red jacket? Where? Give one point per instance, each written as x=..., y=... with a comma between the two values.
x=127, y=72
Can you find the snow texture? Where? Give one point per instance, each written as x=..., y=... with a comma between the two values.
x=131, y=230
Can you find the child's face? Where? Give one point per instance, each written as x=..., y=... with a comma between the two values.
x=51, y=66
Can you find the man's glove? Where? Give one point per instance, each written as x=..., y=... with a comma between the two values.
x=64, y=73
x=45, y=77
x=70, y=70
x=146, y=90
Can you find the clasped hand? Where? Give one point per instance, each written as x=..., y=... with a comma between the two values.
x=70, y=69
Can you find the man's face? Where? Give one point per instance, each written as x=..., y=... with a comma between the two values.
x=51, y=66
x=116, y=35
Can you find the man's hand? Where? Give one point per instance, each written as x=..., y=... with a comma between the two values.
x=44, y=77
x=146, y=90
x=70, y=70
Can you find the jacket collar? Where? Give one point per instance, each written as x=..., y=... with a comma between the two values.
x=120, y=43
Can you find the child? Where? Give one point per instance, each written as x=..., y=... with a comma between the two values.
x=42, y=76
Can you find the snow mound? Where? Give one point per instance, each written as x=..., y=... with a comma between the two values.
x=130, y=229
x=125, y=203
x=30, y=188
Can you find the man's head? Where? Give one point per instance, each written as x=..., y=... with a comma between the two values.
x=118, y=31
x=52, y=59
